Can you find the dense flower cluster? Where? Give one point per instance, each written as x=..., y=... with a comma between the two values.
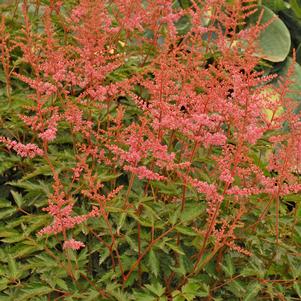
x=190, y=109
x=73, y=244
x=24, y=150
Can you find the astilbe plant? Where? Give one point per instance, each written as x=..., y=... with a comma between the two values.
x=155, y=107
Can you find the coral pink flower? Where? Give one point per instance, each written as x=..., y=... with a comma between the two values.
x=73, y=244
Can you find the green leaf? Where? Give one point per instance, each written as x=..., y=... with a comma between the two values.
x=156, y=288
x=3, y=283
x=175, y=248
x=139, y=296
x=177, y=296
x=181, y=267
x=189, y=290
x=204, y=290
x=12, y=266
x=228, y=267
x=296, y=7
x=106, y=178
x=253, y=290
x=117, y=293
x=5, y=203
x=167, y=188
x=13, y=239
x=274, y=41
x=17, y=197
x=150, y=212
x=236, y=288
x=41, y=170
x=295, y=266
x=183, y=25
x=8, y=212
x=195, y=289
x=297, y=288
x=5, y=165
x=121, y=221
x=185, y=230
x=254, y=268
x=61, y=283
x=275, y=5
x=192, y=211
x=174, y=216
x=24, y=251
x=145, y=222
x=153, y=263
x=33, y=290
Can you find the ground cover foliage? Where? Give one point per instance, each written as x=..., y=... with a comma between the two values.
x=150, y=150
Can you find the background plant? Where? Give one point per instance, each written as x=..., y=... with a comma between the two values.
x=165, y=153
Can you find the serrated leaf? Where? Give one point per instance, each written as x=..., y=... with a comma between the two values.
x=151, y=212
x=194, y=289
x=168, y=188
x=175, y=248
x=13, y=239
x=41, y=170
x=156, y=288
x=253, y=290
x=153, y=263
x=190, y=288
x=144, y=222
x=185, y=230
x=175, y=216
x=33, y=290
x=180, y=269
x=236, y=288
x=121, y=221
x=12, y=267
x=253, y=269
x=139, y=296
x=204, y=290
x=3, y=283
x=61, y=283
x=119, y=294
x=4, y=232
x=295, y=266
x=177, y=296
x=228, y=266
x=27, y=185
x=24, y=251
x=17, y=197
x=5, y=204
x=8, y=212
x=93, y=296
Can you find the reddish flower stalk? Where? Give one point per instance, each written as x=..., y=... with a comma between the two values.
x=141, y=99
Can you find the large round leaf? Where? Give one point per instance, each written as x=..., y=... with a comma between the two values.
x=275, y=40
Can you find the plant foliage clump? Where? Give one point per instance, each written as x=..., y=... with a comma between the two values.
x=148, y=153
